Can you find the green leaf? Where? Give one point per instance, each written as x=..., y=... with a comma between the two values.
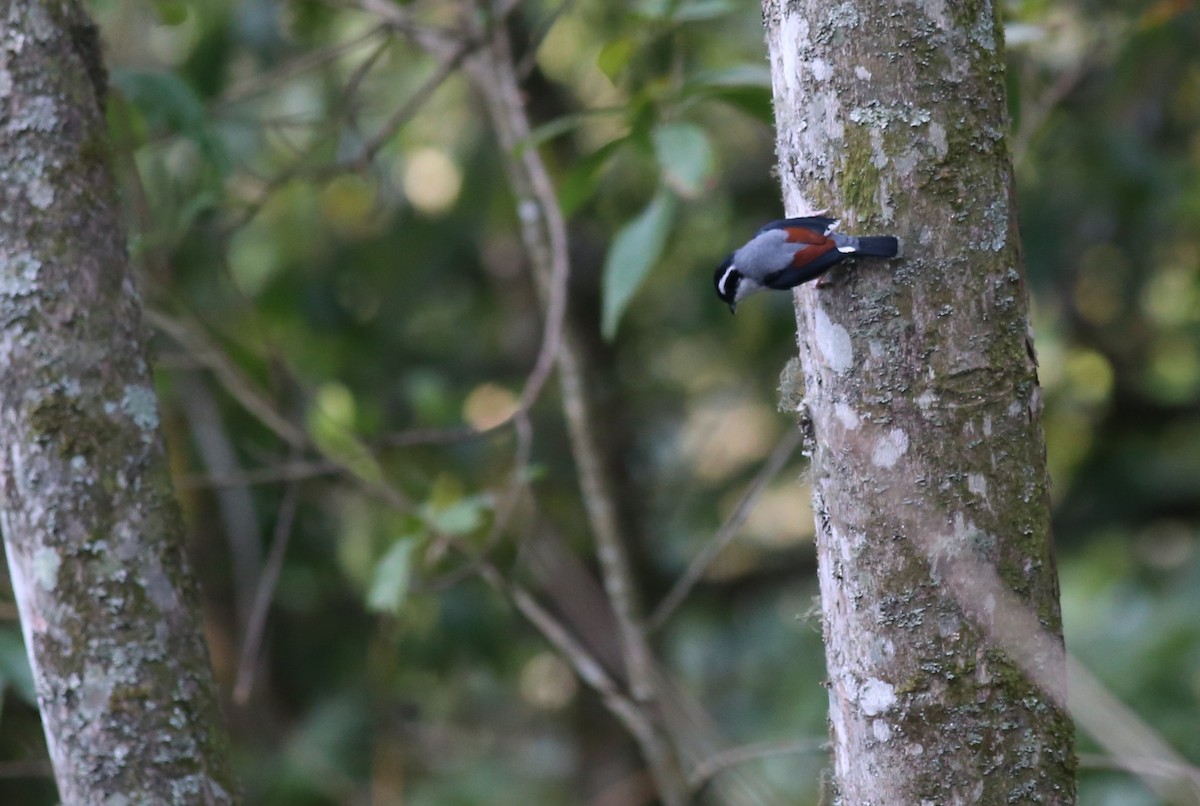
x=652, y=9
x=742, y=75
x=685, y=156
x=698, y=10
x=392, y=578
x=684, y=10
x=747, y=87
x=614, y=58
x=461, y=517
x=549, y=131
x=636, y=247
x=754, y=102
x=171, y=12
x=168, y=102
x=581, y=181
x=331, y=424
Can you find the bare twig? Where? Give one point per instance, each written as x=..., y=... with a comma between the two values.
x=294, y=470
x=728, y=531
x=288, y=471
x=1141, y=767
x=239, y=516
x=256, y=623
x=544, y=234
x=733, y=756
x=310, y=60
x=31, y=768
x=1034, y=117
x=447, y=65
x=630, y=713
x=433, y=436
x=1011, y=625
x=543, y=230
x=582, y=605
x=193, y=339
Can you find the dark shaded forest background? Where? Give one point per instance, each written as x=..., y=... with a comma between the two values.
x=327, y=325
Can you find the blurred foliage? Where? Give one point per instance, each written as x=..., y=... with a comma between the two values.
x=367, y=303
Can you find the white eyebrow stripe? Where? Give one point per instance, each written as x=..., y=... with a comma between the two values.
x=724, y=277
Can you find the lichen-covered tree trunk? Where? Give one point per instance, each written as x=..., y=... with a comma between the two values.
x=920, y=388
x=91, y=530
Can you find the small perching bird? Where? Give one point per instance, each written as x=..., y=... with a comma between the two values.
x=786, y=253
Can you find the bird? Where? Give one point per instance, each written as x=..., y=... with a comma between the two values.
x=791, y=251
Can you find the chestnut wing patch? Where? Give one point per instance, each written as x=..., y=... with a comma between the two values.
x=815, y=244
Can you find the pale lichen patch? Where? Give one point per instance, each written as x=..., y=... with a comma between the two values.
x=876, y=696
x=890, y=448
x=39, y=113
x=846, y=416
x=40, y=193
x=20, y=277
x=141, y=405
x=937, y=139
x=833, y=341
x=46, y=562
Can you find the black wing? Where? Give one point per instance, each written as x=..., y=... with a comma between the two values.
x=817, y=223
x=793, y=276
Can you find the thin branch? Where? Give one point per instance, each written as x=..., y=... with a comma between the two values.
x=301, y=469
x=1034, y=118
x=1154, y=767
x=288, y=471
x=543, y=232
x=448, y=64
x=1010, y=624
x=214, y=447
x=256, y=623
x=310, y=60
x=630, y=713
x=31, y=768
x=733, y=756
x=192, y=338
x=728, y=531
x=434, y=436
x=350, y=90
x=242, y=389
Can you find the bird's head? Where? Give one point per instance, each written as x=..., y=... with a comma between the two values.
x=728, y=281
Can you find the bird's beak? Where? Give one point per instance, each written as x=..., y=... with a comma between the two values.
x=733, y=307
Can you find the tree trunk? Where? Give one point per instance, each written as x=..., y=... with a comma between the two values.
x=921, y=393
x=92, y=532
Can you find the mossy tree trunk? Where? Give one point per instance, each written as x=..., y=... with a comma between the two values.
x=921, y=392
x=91, y=529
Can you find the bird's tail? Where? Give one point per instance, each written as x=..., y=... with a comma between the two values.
x=877, y=246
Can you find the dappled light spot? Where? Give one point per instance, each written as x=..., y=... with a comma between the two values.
x=547, y=682
x=349, y=206
x=1089, y=376
x=432, y=181
x=488, y=405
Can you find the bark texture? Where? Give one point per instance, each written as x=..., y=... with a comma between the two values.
x=91, y=528
x=921, y=396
